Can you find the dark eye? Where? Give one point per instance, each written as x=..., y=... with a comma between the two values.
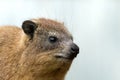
x=53, y=39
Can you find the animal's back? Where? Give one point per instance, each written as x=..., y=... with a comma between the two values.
x=9, y=57
x=9, y=37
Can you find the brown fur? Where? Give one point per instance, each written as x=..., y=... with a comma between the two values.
x=24, y=59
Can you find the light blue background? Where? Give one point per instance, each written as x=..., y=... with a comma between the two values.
x=95, y=25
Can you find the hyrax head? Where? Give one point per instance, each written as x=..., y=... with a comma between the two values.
x=50, y=43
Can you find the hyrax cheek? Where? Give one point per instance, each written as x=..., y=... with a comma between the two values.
x=62, y=53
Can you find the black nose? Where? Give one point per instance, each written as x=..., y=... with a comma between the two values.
x=74, y=48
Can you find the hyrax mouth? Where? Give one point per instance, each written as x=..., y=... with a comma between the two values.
x=74, y=50
x=65, y=57
x=71, y=54
x=68, y=56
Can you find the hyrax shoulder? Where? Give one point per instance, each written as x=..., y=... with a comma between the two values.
x=42, y=50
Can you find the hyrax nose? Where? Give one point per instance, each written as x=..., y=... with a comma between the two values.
x=74, y=49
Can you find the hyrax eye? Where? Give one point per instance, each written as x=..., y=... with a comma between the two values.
x=53, y=39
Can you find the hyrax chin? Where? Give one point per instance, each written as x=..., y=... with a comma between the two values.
x=42, y=50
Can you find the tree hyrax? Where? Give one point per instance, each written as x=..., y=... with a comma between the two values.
x=42, y=50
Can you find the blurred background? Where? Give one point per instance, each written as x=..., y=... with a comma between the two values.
x=95, y=25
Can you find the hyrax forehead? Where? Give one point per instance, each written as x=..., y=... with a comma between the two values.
x=51, y=27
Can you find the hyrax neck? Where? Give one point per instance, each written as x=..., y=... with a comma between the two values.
x=45, y=75
x=28, y=71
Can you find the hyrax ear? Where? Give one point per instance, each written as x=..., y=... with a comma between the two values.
x=29, y=27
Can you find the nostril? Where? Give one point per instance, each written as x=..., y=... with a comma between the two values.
x=72, y=49
x=75, y=48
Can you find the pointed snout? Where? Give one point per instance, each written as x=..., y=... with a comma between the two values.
x=74, y=50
